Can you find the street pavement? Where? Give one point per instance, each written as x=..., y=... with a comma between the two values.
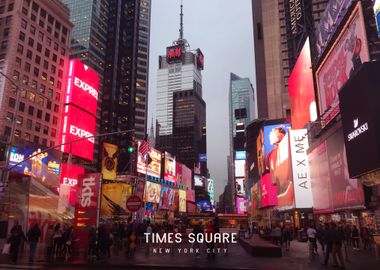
x=297, y=258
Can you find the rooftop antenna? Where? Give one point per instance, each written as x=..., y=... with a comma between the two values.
x=181, y=40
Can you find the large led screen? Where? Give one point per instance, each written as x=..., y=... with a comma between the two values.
x=345, y=57
x=268, y=192
x=154, y=168
x=152, y=192
x=199, y=181
x=182, y=200
x=169, y=168
x=82, y=87
x=68, y=184
x=240, y=168
x=241, y=205
x=78, y=124
x=114, y=199
x=167, y=198
x=240, y=186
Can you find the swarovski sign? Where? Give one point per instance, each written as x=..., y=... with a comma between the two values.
x=358, y=130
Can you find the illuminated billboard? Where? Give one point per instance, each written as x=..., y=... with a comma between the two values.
x=77, y=124
x=183, y=175
x=68, y=184
x=204, y=206
x=211, y=190
x=345, y=57
x=240, y=186
x=167, y=198
x=152, y=192
x=182, y=200
x=109, y=161
x=44, y=166
x=154, y=168
x=114, y=198
x=169, y=168
x=240, y=168
x=200, y=59
x=82, y=87
x=173, y=54
x=240, y=155
x=301, y=90
x=199, y=181
x=268, y=192
x=241, y=205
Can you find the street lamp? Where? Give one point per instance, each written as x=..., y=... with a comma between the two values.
x=5, y=171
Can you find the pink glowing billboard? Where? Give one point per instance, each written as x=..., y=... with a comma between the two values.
x=268, y=191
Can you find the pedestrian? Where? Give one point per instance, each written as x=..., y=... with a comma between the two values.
x=33, y=236
x=337, y=239
x=16, y=237
x=49, y=242
x=355, y=236
x=196, y=231
x=311, y=235
x=365, y=234
x=328, y=241
x=57, y=240
x=277, y=235
x=92, y=242
x=286, y=236
x=210, y=246
x=320, y=236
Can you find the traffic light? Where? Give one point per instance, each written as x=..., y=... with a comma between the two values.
x=132, y=144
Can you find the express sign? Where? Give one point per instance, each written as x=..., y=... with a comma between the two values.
x=78, y=124
x=82, y=87
x=69, y=182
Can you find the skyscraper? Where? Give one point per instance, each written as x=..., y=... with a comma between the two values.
x=242, y=110
x=88, y=41
x=280, y=28
x=125, y=92
x=34, y=55
x=181, y=110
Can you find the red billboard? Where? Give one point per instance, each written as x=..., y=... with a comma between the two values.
x=82, y=87
x=183, y=175
x=268, y=191
x=77, y=124
x=301, y=90
x=86, y=209
x=68, y=184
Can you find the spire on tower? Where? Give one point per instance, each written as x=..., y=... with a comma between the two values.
x=181, y=23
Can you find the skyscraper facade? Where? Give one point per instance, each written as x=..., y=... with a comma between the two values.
x=34, y=55
x=181, y=110
x=280, y=28
x=125, y=92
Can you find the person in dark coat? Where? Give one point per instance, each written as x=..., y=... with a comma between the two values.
x=33, y=235
x=16, y=237
x=328, y=237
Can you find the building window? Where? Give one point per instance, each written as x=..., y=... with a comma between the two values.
x=56, y=108
x=37, y=127
x=40, y=101
x=23, y=93
x=44, y=142
x=19, y=120
x=46, y=64
x=46, y=130
x=39, y=114
x=7, y=131
x=39, y=47
x=20, y=48
x=50, y=93
x=55, y=57
x=17, y=133
x=38, y=59
x=32, y=96
x=47, y=52
x=18, y=62
x=4, y=44
x=36, y=72
x=48, y=104
x=53, y=132
x=34, y=84
x=42, y=89
x=25, y=80
x=36, y=139
x=30, y=42
x=27, y=67
x=16, y=75
x=32, y=30
x=29, y=54
x=40, y=36
x=31, y=110
x=27, y=136
x=55, y=120
x=21, y=106
x=29, y=124
x=9, y=116
x=6, y=32
x=21, y=36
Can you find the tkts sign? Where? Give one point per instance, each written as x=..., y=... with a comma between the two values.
x=86, y=209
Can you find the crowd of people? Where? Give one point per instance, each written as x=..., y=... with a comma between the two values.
x=332, y=238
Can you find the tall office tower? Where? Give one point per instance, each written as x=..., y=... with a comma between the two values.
x=280, y=28
x=181, y=111
x=88, y=41
x=35, y=42
x=242, y=110
x=125, y=92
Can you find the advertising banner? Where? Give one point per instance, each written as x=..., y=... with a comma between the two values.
x=109, y=161
x=346, y=192
x=169, y=169
x=320, y=179
x=273, y=134
x=260, y=152
x=175, y=206
x=68, y=185
x=301, y=90
x=139, y=189
x=268, y=192
x=114, y=198
x=44, y=166
x=154, y=168
x=281, y=174
x=167, y=198
x=86, y=209
x=240, y=186
x=210, y=190
x=299, y=144
x=199, y=181
x=152, y=192
x=204, y=206
x=78, y=124
x=183, y=175
x=360, y=112
x=182, y=200
x=241, y=205
x=348, y=53
x=240, y=155
x=240, y=168
x=82, y=87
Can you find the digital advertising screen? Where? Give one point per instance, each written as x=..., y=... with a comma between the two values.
x=167, y=198
x=77, y=124
x=114, y=199
x=240, y=155
x=268, y=192
x=173, y=54
x=241, y=205
x=199, y=181
x=154, y=168
x=211, y=190
x=240, y=186
x=182, y=200
x=152, y=192
x=68, y=184
x=109, y=161
x=170, y=167
x=240, y=168
x=204, y=206
x=82, y=87
x=44, y=166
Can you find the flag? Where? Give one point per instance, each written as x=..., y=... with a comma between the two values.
x=144, y=148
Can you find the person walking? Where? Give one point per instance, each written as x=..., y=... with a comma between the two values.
x=286, y=236
x=328, y=237
x=277, y=235
x=33, y=236
x=311, y=235
x=49, y=242
x=365, y=237
x=92, y=242
x=57, y=240
x=355, y=236
x=16, y=237
x=337, y=237
x=320, y=236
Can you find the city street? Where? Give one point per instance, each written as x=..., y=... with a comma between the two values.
x=237, y=258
